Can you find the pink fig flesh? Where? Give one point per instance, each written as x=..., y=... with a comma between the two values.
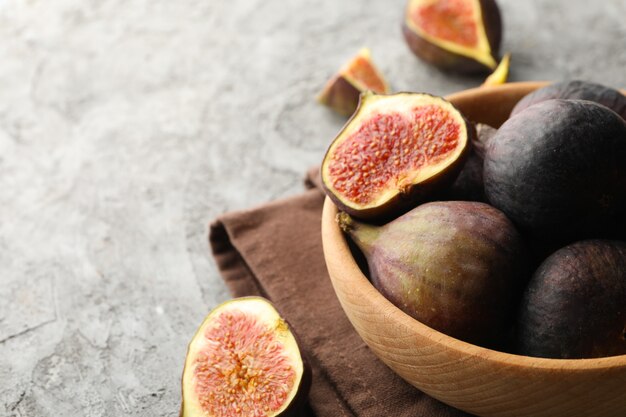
x=244, y=360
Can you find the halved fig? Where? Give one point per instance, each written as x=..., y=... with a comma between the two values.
x=500, y=74
x=456, y=35
x=244, y=361
x=395, y=151
x=342, y=91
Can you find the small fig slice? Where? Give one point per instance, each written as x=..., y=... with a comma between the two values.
x=574, y=305
x=244, y=361
x=456, y=35
x=342, y=91
x=575, y=90
x=395, y=151
x=456, y=266
x=500, y=74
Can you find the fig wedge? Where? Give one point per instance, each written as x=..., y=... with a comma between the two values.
x=396, y=151
x=244, y=361
x=500, y=74
x=456, y=35
x=342, y=91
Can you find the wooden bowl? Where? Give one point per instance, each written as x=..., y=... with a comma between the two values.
x=472, y=378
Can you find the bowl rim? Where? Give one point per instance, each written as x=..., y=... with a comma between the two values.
x=335, y=243
x=498, y=89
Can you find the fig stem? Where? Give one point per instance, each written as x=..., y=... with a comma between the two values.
x=364, y=235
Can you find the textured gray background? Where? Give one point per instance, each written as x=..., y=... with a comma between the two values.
x=127, y=125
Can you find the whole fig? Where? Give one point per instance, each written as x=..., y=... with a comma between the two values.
x=575, y=90
x=468, y=186
x=455, y=266
x=556, y=169
x=574, y=306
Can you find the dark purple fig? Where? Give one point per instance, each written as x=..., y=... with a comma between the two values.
x=456, y=266
x=484, y=133
x=575, y=90
x=557, y=170
x=396, y=151
x=456, y=35
x=244, y=361
x=468, y=186
x=575, y=304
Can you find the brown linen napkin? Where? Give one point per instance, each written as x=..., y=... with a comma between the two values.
x=276, y=251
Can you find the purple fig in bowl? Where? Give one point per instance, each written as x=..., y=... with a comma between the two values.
x=575, y=90
x=556, y=169
x=574, y=304
x=455, y=266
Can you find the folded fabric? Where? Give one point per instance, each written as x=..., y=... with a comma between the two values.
x=276, y=251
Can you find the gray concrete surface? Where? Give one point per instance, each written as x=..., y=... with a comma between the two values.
x=126, y=126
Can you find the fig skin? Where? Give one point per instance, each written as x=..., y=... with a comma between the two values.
x=458, y=267
x=468, y=185
x=340, y=95
x=556, y=169
x=452, y=61
x=574, y=305
x=297, y=402
x=412, y=195
x=575, y=90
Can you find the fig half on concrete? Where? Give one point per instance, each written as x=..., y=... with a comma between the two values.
x=244, y=361
x=394, y=152
x=457, y=35
x=341, y=92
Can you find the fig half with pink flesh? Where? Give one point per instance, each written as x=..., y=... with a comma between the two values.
x=395, y=152
x=456, y=35
x=342, y=91
x=244, y=361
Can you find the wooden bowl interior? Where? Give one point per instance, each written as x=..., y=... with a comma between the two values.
x=481, y=381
